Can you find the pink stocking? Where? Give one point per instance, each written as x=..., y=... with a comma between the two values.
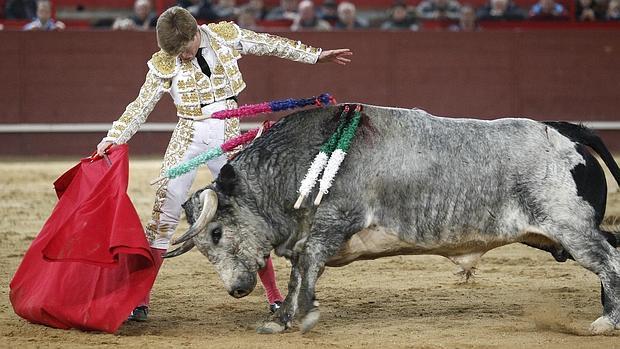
x=268, y=278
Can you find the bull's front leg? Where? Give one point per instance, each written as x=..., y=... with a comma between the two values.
x=332, y=226
x=311, y=264
x=282, y=318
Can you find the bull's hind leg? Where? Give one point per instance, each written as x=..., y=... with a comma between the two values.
x=594, y=253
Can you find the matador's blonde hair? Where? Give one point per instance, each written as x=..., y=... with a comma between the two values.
x=176, y=27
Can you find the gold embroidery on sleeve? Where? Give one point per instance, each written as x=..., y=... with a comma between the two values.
x=137, y=111
x=261, y=44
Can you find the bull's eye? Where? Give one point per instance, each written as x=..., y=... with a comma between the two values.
x=216, y=235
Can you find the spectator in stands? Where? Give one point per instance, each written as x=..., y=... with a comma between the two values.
x=601, y=6
x=187, y=4
x=226, y=9
x=247, y=19
x=613, y=11
x=400, y=18
x=548, y=10
x=44, y=20
x=500, y=10
x=258, y=9
x=347, y=17
x=329, y=11
x=200, y=9
x=587, y=10
x=439, y=9
x=286, y=10
x=20, y=9
x=467, y=20
x=307, y=18
x=142, y=18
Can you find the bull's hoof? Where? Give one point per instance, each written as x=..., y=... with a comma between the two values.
x=310, y=320
x=270, y=327
x=602, y=325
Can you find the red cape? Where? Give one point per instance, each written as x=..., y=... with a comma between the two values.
x=91, y=263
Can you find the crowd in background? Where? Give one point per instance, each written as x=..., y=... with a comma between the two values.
x=325, y=15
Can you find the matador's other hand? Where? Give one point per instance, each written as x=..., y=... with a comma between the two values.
x=338, y=56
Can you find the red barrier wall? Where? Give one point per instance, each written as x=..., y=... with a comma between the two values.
x=91, y=76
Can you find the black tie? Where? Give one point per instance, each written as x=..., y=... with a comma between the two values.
x=203, y=63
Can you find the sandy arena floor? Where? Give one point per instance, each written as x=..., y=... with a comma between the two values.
x=520, y=298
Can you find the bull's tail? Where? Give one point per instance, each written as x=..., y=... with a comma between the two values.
x=612, y=237
x=585, y=136
x=610, y=227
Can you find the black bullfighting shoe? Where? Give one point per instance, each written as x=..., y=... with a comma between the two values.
x=275, y=306
x=139, y=314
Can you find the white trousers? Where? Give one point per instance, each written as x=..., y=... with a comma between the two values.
x=189, y=139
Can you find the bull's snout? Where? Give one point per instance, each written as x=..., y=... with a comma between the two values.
x=239, y=292
x=243, y=285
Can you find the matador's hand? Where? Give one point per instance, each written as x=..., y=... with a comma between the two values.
x=338, y=56
x=103, y=146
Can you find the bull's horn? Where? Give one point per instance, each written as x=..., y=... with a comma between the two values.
x=188, y=245
x=209, y=207
x=193, y=231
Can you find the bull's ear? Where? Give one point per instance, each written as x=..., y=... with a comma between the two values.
x=227, y=179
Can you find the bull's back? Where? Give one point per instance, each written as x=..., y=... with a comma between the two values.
x=427, y=179
x=413, y=141
x=434, y=180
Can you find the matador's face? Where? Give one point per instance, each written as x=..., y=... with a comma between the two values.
x=189, y=52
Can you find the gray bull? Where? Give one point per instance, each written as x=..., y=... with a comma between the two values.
x=412, y=183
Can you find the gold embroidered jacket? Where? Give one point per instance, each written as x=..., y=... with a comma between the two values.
x=189, y=87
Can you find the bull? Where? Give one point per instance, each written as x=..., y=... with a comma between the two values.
x=412, y=183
